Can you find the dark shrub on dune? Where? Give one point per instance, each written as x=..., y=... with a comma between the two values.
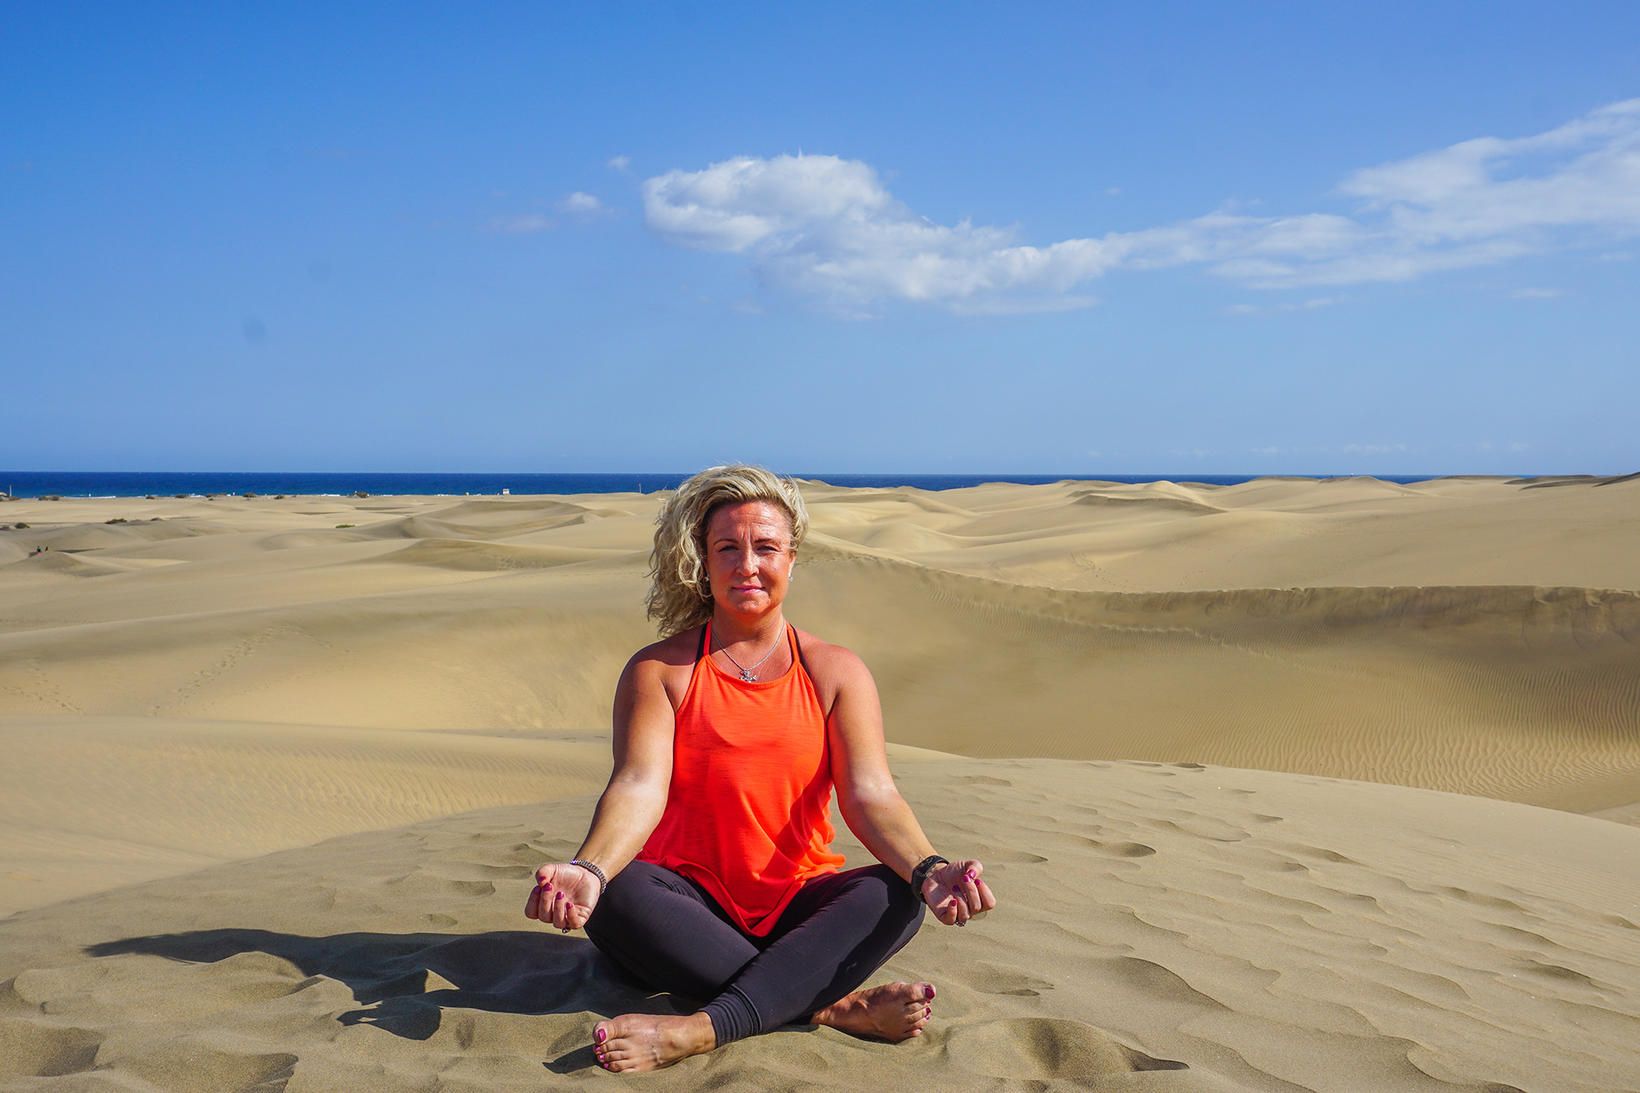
x=361, y=493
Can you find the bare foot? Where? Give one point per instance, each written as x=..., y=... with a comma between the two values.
x=893, y=1011
x=644, y=1041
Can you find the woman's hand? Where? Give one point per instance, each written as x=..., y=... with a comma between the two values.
x=564, y=896
x=955, y=892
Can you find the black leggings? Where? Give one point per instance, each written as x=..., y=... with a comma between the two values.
x=666, y=932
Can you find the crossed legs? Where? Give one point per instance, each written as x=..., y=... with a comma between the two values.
x=669, y=934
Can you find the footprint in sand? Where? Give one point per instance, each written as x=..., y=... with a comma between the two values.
x=995, y=979
x=1045, y=1049
x=34, y=1049
x=191, y=1065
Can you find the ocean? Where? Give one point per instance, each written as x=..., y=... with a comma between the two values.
x=170, y=483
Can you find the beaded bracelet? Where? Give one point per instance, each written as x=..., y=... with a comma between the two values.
x=603, y=881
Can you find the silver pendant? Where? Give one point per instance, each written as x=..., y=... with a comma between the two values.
x=748, y=676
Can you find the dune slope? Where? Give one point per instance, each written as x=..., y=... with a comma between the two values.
x=1162, y=927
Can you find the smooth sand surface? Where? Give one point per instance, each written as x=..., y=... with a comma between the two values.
x=273, y=787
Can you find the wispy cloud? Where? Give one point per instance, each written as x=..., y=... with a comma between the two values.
x=1315, y=303
x=578, y=205
x=1538, y=293
x=827, y=228
x=619, y=163
x=524, y=224
x=581, y=204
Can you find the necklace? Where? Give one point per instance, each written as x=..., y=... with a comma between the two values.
x=749, y=675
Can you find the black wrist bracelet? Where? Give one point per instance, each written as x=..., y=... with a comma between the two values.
x=919, y=874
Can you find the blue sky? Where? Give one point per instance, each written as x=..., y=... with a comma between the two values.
x=1153, y=238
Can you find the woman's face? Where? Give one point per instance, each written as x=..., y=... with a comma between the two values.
x=749, y=557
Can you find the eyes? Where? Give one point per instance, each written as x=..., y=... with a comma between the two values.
x=761, y=548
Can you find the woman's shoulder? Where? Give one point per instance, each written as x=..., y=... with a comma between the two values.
x=830, y=665
x=666, y=664
x=666, y=657
x=676, y=650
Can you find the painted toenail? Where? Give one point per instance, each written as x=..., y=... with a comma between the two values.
x=602, y=1035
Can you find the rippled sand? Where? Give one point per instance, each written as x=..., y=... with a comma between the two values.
x=194, y=700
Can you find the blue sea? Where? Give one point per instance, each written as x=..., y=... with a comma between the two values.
x=170, y=483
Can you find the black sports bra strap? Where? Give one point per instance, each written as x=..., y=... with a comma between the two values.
x=700, y=650
x=797, y=641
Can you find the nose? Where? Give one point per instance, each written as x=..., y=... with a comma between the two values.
x=746, y=562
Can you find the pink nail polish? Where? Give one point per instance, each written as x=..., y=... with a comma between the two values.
x=601, y=1035
x=928, y=1012
x=930, y=992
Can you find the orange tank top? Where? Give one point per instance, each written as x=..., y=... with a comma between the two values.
x=748, y=815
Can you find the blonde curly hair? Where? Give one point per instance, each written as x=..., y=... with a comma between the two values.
x=679, y=595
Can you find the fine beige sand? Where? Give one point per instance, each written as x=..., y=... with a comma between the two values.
x=276, y=772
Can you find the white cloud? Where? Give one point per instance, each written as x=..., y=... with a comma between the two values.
x=1315, y=303
x=581, y=204
x=619, y=163
x=1538, y=293
x=526, y=224
x=828, y=228
x=1372, y=449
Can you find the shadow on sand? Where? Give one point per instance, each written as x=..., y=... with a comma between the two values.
x=511, y=971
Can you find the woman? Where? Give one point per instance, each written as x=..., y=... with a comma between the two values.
x=708, y=871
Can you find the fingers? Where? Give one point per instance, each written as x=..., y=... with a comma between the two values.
x=560, y=910
x=550, y=902
x=969, y=895
x=539, y=903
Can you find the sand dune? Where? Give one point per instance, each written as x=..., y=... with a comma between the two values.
x=213, y=681
x=1166, y=927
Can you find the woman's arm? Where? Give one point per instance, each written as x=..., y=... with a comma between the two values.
x=631, y=804
x=633, y=801
x=866, y=794
x=871, y=803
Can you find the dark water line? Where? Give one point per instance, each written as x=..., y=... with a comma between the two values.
x=170, y=483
